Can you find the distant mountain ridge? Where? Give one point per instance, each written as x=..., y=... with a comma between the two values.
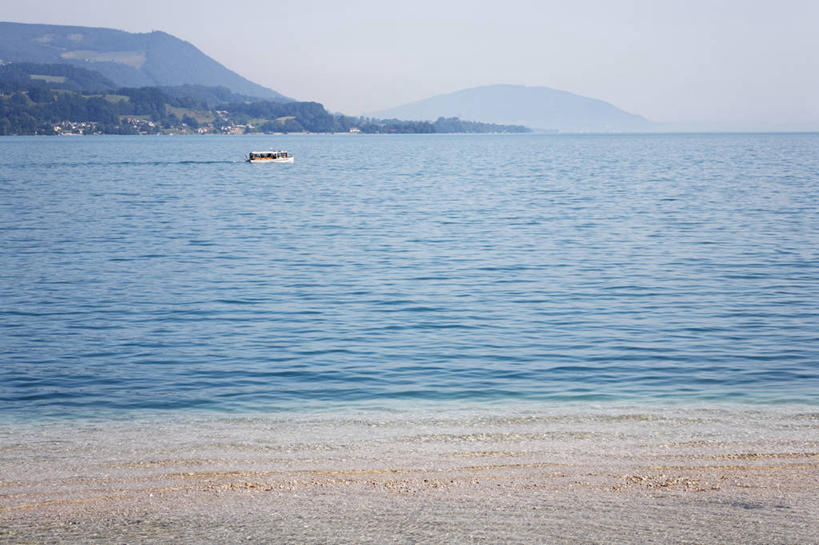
x=540, y=108
x=127, y=59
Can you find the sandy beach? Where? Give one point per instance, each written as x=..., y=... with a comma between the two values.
x=734, y=474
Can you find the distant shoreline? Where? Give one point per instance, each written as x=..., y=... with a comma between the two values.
x=532, y=133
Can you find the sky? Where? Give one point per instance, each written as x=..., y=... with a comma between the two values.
x=749, y=64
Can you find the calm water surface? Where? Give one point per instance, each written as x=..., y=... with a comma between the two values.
x=150, y=273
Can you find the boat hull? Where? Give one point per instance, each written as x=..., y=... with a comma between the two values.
x=279, y=160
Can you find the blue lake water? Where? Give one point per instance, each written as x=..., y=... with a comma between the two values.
x=163, y=273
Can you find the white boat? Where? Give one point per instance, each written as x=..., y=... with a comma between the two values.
x=272, y=156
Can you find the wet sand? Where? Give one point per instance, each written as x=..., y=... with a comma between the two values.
x=730, y=474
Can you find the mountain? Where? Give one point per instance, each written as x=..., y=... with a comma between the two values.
x=540, y=108
x=126, y=59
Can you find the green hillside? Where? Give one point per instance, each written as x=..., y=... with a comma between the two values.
x=45, y=108
x=23, y=75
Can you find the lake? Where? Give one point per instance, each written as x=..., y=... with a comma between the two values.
x=165, y=274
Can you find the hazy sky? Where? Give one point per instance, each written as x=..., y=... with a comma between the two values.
x=751, y=62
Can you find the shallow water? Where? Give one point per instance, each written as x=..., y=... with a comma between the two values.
x=565, y=472
x=162, y=273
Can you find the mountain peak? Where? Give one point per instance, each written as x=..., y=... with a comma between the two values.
x=129, y=59
x=541, y=108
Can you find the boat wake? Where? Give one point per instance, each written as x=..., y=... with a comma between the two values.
x=147, y=163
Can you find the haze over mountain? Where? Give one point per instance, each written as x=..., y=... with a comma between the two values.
x=127, y=59
x=539, y=108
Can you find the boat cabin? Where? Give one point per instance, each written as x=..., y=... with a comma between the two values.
x=272, y=156
x=268, y=155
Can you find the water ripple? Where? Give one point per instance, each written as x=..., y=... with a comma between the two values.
x=502, y=268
